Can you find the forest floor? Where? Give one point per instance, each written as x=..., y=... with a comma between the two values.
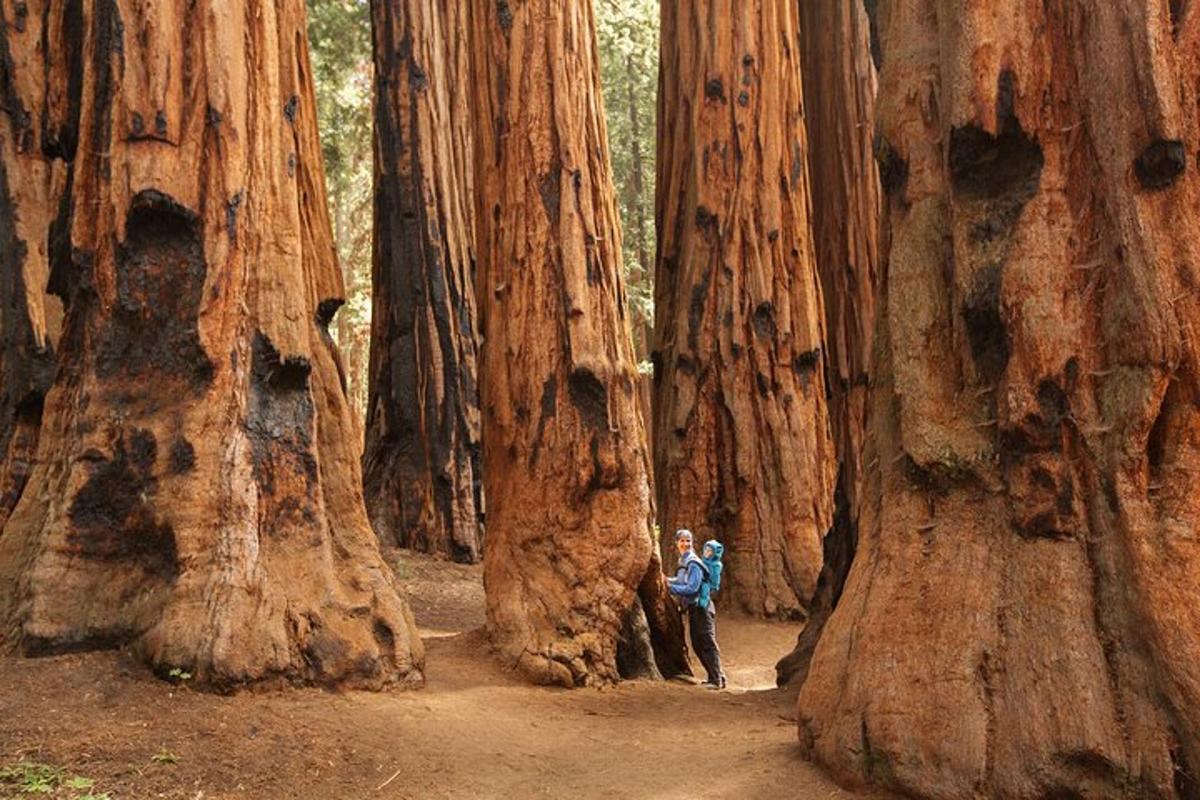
x=475, y=731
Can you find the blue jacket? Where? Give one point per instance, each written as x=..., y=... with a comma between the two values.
x=713, y=568
x=689, y=579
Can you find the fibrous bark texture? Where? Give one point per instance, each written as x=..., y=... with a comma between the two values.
x=569, y=505
x=741, y=435
x=1022, y=619
x=196, y=492
x=33, y=174
x=421, y=465
x=839, y=101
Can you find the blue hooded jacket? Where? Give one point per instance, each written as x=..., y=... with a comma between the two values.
x=713, y=569
x=690, y=579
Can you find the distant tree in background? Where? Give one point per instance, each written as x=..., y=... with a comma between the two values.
x=340, y=33
x=340, y=36
x=628, y=34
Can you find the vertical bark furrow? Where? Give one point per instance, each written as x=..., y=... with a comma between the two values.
x=420, y=464
x=1021, y=618
x=741, y=438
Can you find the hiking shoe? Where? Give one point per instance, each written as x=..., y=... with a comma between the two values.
x=714, y=686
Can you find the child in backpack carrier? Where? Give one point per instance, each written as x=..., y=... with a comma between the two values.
x=711, y=556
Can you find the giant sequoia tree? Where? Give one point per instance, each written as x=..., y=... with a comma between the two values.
x=33, y=174
x=741, y=440
x=421, y=465
x=839, y=101
x=196, y=491
x=569, y=506
x=1023, y=616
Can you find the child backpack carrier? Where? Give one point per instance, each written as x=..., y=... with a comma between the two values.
x=712, y=572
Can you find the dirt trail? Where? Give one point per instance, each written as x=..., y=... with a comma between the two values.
x=473, y=732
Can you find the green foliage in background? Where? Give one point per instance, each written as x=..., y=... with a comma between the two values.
x=628, y=38
x=340, y=40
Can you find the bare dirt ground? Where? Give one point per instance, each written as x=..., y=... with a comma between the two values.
x=475, y=731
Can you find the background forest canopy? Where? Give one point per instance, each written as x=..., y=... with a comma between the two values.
x=340, y=39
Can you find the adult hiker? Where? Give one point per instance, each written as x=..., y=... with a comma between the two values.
x=689, y=586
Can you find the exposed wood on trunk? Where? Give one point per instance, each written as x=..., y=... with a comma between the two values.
x=741, y=436
x=34, y=149
x=1022, y=618
x=839, y=100
x=421, y=464
x=569, y=505
x=197, y=490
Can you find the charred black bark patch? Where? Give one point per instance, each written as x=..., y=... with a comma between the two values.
x=1052, y=401
x=290, y=108
x=1185, y=778
x=893, y=170
x=160, y=123
x=550, y=188
x=160, y=278
x=764, y=320
x=1009, y=164
x=231, y=212
x=714, y=89
x=111, y=517
x=327, y=309
x=418, y=81
x=872, y=7
x=504, y=15
x=590, y=396
x=986, y=332
x=705, y=219
x=1160, y=164
x=61, y=142
x=280, y=421
x=696, y=303
x=807, y=361
x=183, y=456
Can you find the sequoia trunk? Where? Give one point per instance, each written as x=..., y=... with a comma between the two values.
x=741, y=435
x=196, y=491
x=33, y=174
x=839, y=101
x=1022, y=619
x=569, y=506
x=421, y=465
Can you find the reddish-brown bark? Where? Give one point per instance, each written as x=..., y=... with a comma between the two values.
x=741, y=435
x=569, y=505
x=839, y=101
x=1022, y=619
x=421, y=465
x=196, y=492
x=33, y=174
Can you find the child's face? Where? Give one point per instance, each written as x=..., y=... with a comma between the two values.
x=708, y=552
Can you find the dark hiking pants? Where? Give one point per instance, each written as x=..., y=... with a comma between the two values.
x=703, y=625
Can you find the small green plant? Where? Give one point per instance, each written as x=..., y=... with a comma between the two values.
x=33, y=777
x=164, y=756
x=178, y=674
